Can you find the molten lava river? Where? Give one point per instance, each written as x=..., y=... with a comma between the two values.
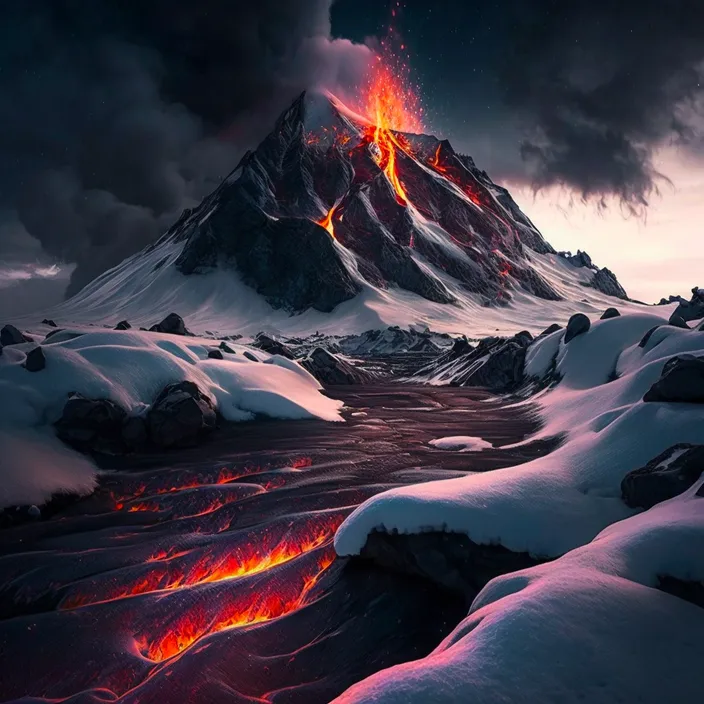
x=215, y=580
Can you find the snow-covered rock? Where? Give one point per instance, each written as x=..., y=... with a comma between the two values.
x=595, y=625
x=129, y=368
x=463, y=443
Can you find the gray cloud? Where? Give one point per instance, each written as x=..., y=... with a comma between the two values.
x=117, y=115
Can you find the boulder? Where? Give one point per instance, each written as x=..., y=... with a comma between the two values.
x=550, y=330
x=678, y=321
x=689, y=310
x=461, y=346
x=215, y=354
x=664, y=477
x=36, y=361
x=48, y=322
x=226, y=348
x=250, y=356
x=181, y=416
x=134, y=433
x=10, y=335
x=578, y=324
x=123, y=325
x=172, y=324
x=523, y=337
x=271, y=346
x=610, y=313
x=93, y=425
x=328, y=368
x=682, y=380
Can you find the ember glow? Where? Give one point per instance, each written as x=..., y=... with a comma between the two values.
x=170, y=570
x=196, y=624
x=327, y=223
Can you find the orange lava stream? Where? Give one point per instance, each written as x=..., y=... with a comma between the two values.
x=170, y=572
x=190, y=630
x=327, y=223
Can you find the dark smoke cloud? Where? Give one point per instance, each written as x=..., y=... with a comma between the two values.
x=115, y=115
x=601, y=84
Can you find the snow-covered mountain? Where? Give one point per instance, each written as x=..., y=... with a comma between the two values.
x=334, y=224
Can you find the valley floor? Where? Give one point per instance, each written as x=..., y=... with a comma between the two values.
x=211, y=576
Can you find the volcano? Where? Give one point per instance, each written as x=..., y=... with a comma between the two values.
x=334, y=208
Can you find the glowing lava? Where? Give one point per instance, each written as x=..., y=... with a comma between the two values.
x=327, y=223
x=178, y=570
x=257, y=608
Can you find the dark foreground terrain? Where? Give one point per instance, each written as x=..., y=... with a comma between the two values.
x=210, y=576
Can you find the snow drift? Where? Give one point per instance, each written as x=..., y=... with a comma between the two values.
x=591, y=626
x=129, y=368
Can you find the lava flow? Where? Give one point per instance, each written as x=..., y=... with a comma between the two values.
x=256, y=607
x=178, y=570
x=327, y=223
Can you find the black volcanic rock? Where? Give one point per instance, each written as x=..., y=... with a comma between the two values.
x=172, y=324
x=180, y=416
x=10, y=335
x=48, y=322
x=579, y=260
x=92, y=425
x=605, y=280
x=550, y=330
x=578, y=324
x=215, y=354
x=123, y=325
x=328, y=368
x=668, y=475
x=36, y=361
x=681, y=381
x=610, y=313
x=271, y=346
x=646, y=338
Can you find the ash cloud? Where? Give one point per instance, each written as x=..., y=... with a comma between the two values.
x=598, y=86
x=117, y=115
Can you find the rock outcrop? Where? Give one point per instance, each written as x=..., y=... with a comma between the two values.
x=330, y=369
x=172, y=324
x=271, y=346
x=664, y=477
x=180, y=416
x=10, y=335
x=681, y=381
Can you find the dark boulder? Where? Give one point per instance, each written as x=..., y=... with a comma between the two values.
x=36, y=361
x=215, y=354
x=578, y=324
x=10, y=335
x=523, y=337
x=271, y=346
x=172, y=324
x=682, y=380
x=550, y=330
x=664, y=477
x=328, y=368
x=610, y=313
x=181, y=416
x=461, y=346
x=689, y=310
x=48, y=322
x=678, y=321
x=248, y=355
x=123, y=325
x=226, y=348
x=92, y=425
x=135, y=434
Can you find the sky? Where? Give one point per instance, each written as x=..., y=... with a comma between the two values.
x=116, y=116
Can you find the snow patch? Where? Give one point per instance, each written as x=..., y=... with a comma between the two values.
x=463, y=443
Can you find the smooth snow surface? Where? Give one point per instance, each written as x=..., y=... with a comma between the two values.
x=589, y=627
x=561, y=501
x=130, y=368
x=463, y=443
x=146, y=287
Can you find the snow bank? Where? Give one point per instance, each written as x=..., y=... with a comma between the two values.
x=561, y=501
x=590, y=626
x=463, y=443
x=130, y=368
